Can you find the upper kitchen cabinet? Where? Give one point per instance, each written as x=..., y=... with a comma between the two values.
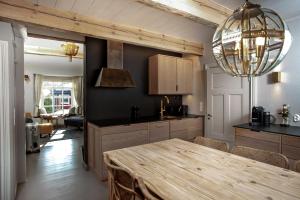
x=184, y=76
x=170, y=75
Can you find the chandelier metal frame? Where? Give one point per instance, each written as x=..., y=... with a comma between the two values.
x=251, y=42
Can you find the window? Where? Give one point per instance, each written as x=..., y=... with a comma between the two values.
x=57, y=97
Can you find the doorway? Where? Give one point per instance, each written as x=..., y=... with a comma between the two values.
x=227, y=103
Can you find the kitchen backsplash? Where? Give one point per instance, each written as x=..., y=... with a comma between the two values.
x=110, y=103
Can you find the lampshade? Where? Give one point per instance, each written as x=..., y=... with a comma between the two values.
x=251, y=42
x=70, y=49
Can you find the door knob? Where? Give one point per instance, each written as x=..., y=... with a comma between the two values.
x=209, y=116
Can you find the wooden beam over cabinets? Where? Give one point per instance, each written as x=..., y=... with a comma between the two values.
x=202, y=11
x=21, y=11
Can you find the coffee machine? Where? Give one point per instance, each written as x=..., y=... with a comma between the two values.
x=257, y=115
x=260, y=117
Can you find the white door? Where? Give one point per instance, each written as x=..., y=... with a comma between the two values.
x=227, y=103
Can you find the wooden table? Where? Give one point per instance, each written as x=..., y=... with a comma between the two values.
x=176, y=169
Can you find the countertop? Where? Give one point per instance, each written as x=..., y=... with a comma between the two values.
x=273, y=128
x=126, y=121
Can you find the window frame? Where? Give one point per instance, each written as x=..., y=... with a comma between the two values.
x=60, y=86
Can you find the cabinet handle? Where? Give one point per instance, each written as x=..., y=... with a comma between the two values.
x=176, y=87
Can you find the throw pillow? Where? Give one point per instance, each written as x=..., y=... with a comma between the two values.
x=42, y=111
x=72, y=111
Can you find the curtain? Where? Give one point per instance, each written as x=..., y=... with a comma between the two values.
x=38, y=82
x=77, y=91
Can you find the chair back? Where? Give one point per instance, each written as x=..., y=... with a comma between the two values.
x=28, y=115
x=212, y=143
x=268, y=157
x=297, y=166
x=124, y=185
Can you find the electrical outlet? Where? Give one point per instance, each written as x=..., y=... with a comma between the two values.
x=201, y=106
x=296, y=117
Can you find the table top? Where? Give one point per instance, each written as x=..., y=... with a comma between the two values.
x=176, y=169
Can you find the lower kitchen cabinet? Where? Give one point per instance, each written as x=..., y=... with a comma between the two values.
x=111, y=138
x=101, y=139
x=284, y=144
x=258, y=140
x=291, y=148
x=159, y=131
x=186, y=129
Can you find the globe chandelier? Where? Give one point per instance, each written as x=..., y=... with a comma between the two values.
x=251, y=42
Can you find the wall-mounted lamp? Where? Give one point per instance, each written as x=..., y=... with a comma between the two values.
x=276, y=77
x=26, y=78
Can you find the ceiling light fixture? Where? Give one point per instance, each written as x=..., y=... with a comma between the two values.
x=70, y=49
x=251, y=42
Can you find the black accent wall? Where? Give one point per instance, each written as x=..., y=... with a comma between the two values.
x=113, y=103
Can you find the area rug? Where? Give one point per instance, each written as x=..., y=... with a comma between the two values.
x=62, y=134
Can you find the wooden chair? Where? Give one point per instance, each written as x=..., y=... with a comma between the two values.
x=268, y=157
x=212, y=143
x=297, y=166
x=124, y=185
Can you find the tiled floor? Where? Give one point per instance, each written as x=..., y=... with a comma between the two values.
x=57, y=173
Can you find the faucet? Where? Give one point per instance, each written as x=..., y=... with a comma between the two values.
x=163, y=105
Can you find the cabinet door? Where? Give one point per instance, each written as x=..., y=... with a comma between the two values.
x=159, y=131
x=122, y=140
x=166, y=75
x=291, y=147
x=186, y=129
x=91, y=146
x=195, y=127
x=184, y=79
x=258, y=140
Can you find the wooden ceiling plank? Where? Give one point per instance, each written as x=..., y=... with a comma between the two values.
x=202, y=11
x=65, y=4
x=69, y=21
x=82, y=7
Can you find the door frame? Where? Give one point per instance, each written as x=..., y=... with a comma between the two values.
x=7, y=153
x=206, y=67
x=244, y=108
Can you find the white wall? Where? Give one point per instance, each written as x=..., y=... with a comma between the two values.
x=20, y=34
x=197, y=101
x=273, y=96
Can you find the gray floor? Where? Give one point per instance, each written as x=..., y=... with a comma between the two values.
x=57, y=173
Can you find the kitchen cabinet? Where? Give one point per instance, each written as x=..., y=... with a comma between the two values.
x=111, y=138
x=258, y=140
x=285, y=144
x=186, y=129
x=101, y=139
x=159, y=131
x=184, y=76
x=91, y=146
x=291, y=148
x=170, y=75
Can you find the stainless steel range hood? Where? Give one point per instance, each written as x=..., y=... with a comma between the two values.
x=114, y=76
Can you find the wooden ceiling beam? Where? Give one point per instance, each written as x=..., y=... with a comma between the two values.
x=24, y=12
x=202, y=11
